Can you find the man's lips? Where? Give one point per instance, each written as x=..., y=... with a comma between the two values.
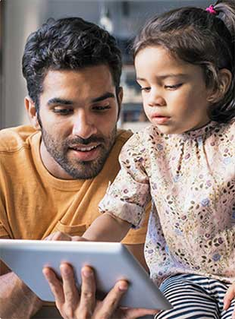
x=85, y=152
x=84, y=148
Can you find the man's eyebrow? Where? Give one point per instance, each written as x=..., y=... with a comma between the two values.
x=103, y=97
x=165, y=76
x=57, y=100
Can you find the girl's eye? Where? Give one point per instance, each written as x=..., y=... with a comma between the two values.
x=173, y=87
x=62, y=111
x=145, y=89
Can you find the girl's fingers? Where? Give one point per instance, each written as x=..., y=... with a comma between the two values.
x=58, y=236
x=139, y=312
x=229, y=296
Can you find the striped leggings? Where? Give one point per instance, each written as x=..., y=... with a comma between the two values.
x=193, y=297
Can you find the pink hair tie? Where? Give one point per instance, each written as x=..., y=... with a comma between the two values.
x=211, y=10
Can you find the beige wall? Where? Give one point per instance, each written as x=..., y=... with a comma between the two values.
x=21, y=18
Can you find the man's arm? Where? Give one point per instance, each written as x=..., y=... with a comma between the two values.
x=17, y=301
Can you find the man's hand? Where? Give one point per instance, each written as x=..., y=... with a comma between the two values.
x=229, y=296
x=73, y=305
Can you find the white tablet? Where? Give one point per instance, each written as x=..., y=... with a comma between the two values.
x=111, y=261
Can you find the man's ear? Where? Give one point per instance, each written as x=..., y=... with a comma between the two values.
x=31, y=111
x=225, y=78
x=120, y=95
x=119, y=98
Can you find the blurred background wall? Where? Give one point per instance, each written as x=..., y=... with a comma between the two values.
x=18, y=18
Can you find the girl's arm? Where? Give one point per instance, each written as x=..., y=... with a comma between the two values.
x=107, y=228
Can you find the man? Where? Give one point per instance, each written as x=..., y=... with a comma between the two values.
x=54, y=173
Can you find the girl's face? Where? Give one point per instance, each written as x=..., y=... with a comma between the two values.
x=175, y=96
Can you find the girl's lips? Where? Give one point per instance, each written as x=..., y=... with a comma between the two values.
x=160, y=119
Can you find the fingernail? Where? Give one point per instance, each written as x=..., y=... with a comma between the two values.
x=122, y=286
x=64, y=269
x=87, y=273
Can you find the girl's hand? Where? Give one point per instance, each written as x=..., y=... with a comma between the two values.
x=75, y=305
x=229, y=296
x=63, y=236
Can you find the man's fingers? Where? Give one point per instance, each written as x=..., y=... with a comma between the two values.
x=55, y=284
x=110, y=303
x=88, y=289
x=71, y=295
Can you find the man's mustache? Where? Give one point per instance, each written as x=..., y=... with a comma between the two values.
x=80, y=140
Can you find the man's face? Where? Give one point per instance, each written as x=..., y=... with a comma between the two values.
x=78, y=116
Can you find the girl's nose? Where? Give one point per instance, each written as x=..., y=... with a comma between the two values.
x=156, y=99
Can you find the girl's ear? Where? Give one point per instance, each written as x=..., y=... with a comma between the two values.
x=31, y=111
x=225, y=78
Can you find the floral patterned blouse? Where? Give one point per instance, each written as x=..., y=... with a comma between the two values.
x=191, y=181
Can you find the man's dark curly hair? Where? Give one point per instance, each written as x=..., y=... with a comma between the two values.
x=68, y=44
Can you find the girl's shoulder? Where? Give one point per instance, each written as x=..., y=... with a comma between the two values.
x=225, y=131
x=144, y=137
x=229, y=127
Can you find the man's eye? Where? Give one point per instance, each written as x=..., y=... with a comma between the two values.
x=101, y=107
x=62, y=111
x=173, y=87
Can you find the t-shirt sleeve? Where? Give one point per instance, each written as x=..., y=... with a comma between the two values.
x=128, y=196
x=4, y=227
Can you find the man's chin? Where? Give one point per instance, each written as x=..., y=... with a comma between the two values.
x=85, y=170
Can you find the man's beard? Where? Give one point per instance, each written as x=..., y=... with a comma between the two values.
x=75, y=168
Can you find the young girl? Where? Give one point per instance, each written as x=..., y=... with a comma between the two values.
x=184, y=161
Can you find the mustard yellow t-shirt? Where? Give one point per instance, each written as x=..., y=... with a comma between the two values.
x=34, y=204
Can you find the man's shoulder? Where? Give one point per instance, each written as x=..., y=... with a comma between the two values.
x=14, y=138
x=123, y=136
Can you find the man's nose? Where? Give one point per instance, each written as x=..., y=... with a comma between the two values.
x=84, y=126
x=155, y=98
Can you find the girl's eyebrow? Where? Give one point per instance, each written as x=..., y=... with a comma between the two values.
x=165, y=76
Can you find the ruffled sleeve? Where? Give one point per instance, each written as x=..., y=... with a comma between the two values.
x=129, y=194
